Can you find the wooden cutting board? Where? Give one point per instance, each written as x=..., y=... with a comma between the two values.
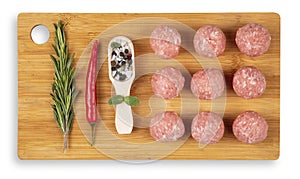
x=40, y=138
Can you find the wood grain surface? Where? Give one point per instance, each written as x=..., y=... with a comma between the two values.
x=40, y=138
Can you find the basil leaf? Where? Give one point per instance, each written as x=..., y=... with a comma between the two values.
x=118, y=99
x=131, y=100
x=115, y=45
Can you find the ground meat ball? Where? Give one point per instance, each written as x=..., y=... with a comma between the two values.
x=165, y=41
x=209, y=41
x=208, y=84
x=248, y=82
x=207, y=128
x=250, y=127
x=253, y=39
x=166, y=127
x=167, y=82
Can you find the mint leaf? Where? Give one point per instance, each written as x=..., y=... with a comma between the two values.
x=131, y=100
x=118, y=99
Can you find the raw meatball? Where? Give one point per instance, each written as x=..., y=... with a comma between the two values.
x=248, y=82
x=165, y=41
x=208, y=84
x=166, y=127
x=253, y=39
x=250, y=127
x=207, y=128
x=167, y=82
x=209, y=41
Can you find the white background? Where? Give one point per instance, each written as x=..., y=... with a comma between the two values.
x=288, y=163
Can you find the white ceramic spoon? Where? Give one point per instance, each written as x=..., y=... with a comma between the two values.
x=122, y=74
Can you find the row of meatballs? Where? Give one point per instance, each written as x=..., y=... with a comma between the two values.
x=248, y=82
x=208, y=127
x=210, y=41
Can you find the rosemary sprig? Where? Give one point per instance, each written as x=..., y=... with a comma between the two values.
x=63, y=87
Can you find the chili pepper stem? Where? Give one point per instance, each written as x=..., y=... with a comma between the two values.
x=92, y=124
x=65, y=142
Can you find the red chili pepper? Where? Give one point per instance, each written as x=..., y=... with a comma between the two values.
x=90, y=91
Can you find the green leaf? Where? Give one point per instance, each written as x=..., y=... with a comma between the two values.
x=70, y=122
x=54, y=62
x=131, y=100
x=74, y=95
x=53, y=87
x=118, y=99
x=55, y=50
x=70, y=61
x=115, y=45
